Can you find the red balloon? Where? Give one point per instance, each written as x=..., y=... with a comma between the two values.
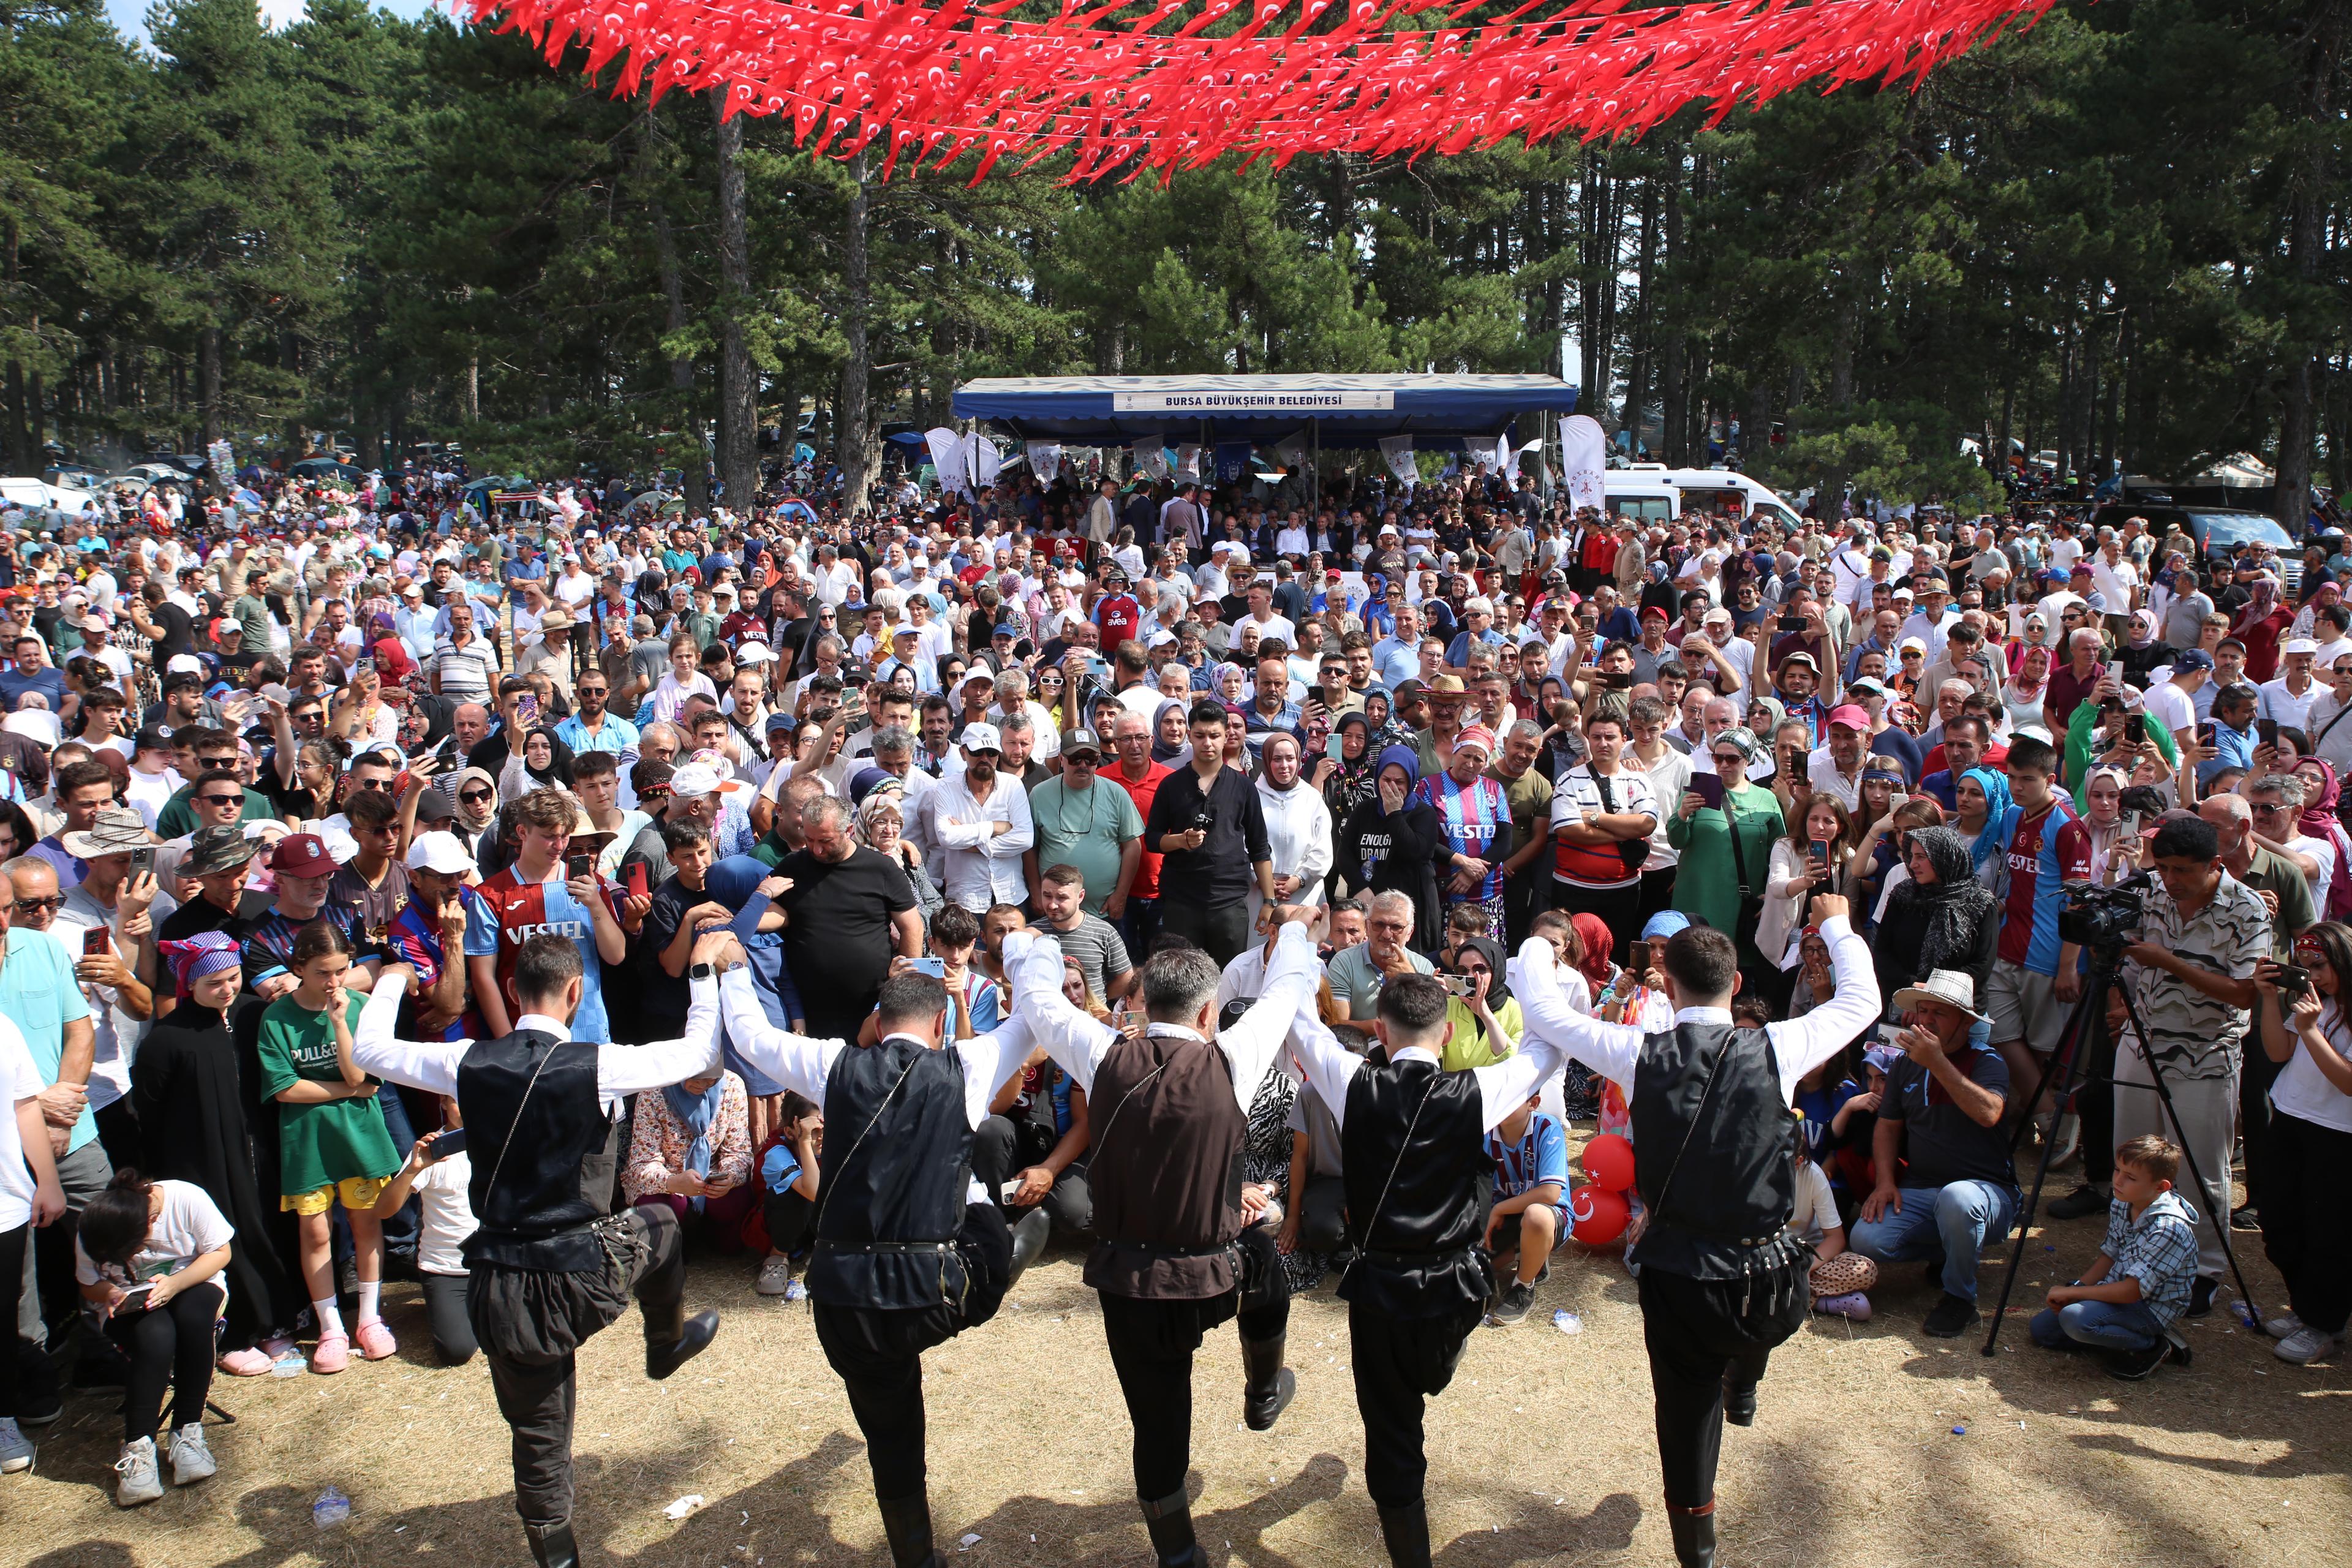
x=1609, y=1160
x=1600, y=1216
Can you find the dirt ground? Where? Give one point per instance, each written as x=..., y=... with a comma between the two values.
x=1875, y=1447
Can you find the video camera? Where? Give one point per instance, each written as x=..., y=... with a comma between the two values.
x=2104, y=920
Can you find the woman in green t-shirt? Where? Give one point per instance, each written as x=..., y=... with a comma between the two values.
x=1726, y=847
x=332, y=1138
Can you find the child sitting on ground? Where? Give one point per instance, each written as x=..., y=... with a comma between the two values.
x=441, y=1173
x=1840, y=1277
x=1530, y=1151
x=788, y=1182
x=2124, y=1304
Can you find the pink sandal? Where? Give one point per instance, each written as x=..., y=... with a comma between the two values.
x=375, y=1340
x=333, y=1354
x=247, y=1362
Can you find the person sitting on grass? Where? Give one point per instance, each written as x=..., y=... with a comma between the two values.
x=787, y=1183
x=1839, y=1277
x=1530, y=1151
x=148, y=1256
x=332, y=1142
x=441, y=1175
x=691, y=1151
x=2124, y=1304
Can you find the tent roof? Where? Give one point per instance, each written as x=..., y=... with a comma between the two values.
x=1352, y=410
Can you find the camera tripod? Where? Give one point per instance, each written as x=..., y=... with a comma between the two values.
x=2068, y=1071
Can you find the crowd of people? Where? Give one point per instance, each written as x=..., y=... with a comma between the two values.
x=259, y=763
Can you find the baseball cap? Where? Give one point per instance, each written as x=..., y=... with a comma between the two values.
x=151, y=738
x=1852, y=715
x=439, y=852
x=753, y=651
x=301, y=854
x=2193, y=659
x=692, y=780
x=982, y=737
x=184, y=664
x=779, y=721
x=1005, y=629
x=1081, y=740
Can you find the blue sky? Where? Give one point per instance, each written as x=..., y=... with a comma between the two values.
x=131, y=15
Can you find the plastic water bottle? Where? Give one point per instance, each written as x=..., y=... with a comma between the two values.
x=795, y=1291
x=331, y=1509
x=291, y=1364
x=1567, y=1322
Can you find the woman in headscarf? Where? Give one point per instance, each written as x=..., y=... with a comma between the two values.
x=1486, y=1022
x=2112, y=851
x=749, y=888
x=2321, y=790
x=1987, y=817
x=1297, y=828
x=882, y=828
x=1387, y=729
x=2263, y=621
x=1169, y=746
x=1394, y=844
x=191, y=1088
x=1226, y=683
x=1942, y=917
x=2143, y=649
x=544, y=761
x=2028, y=684
x=1346, y=780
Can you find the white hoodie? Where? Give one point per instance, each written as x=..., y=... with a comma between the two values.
x=1298, y=838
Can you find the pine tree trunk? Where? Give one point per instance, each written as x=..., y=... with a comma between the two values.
x=2323, y=47
x=739, y=404
x=681, y=365
x=850, y=442
x=208, y=382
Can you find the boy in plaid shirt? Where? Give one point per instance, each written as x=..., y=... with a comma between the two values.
x=2125, y=1303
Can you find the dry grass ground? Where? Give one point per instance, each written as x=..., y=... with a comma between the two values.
x=1540, y=1453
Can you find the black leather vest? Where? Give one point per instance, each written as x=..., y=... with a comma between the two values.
x=535, y=1122
x=1727, y=1207
x=1167, y=1148
x=1417, y=1210
x=890, y=1203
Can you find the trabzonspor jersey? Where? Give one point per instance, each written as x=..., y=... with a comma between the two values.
x=1473, y=817
x=2047, y=851
x=509, y=912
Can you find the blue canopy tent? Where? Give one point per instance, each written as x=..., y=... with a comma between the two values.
x=1338, y=410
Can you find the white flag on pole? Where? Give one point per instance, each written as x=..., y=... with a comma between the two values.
x=1583, y=459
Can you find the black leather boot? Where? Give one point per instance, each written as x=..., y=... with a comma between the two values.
x=1269, y=1385
x=1694, y=1533
x=673, y=1339
x=1738, y=1400
x=1169, y=1522
x=906, y=1521
x=552, y=1545
x=1405, y=1531
x=1029, y=1239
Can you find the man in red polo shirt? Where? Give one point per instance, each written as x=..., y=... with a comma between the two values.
x=1140, y=776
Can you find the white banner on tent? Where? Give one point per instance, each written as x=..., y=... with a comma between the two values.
x=1151, y=458
x=1583, y=459
x=1045, y=460
x=1292, y=449
x=947, y=450
x=1396, y=450
x=1213, y=400
x=987, y=462
x=1188, y=463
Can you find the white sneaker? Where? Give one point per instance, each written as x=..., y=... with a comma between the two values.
x=2306, y=1345
x=139, y=1481
x=15, y=1448
x=2282, y=1325
x=191, y=1460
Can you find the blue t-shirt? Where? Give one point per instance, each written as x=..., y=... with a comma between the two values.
x=779, y=1168
x=48, y=680
x=39, y=993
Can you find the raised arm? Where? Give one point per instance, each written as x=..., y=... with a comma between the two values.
x=623, y=1070
x=1325, y=1064
x=797, y=1062
x=1077, y=1042
x=1505, y=1086
x=428, y=1065
x=1289, y=991
x=1608, y=1049
x=1803, y=1044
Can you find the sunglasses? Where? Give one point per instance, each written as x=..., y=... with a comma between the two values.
x=472, y=796
x=220, y=799
x=373, y=784
x=34, y=906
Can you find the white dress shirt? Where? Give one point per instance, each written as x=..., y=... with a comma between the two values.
x=621, y=1070
x=803, y=1065
x=978, y=865
x=1613, y=1051
x=1503, y=1087
x=1078, y=1042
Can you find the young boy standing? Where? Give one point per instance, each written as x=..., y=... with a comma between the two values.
x=1530, y=1151
x=2125, y=1303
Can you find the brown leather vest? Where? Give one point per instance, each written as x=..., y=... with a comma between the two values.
x=1167, y=1134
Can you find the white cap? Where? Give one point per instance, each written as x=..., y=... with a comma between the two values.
x=2298, y=645
x=754, y=652
x=439, y=852
x=693, y=781
x=979, y=738
x=187, y=663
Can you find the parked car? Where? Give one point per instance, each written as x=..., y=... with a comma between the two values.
x=2218, y=530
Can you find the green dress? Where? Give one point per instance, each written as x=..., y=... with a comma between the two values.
x=1706, y=880
x=334, y=1140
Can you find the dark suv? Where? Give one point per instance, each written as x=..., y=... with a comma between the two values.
x=2218, y=529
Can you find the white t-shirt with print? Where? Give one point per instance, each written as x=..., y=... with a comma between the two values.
x=189, y=1225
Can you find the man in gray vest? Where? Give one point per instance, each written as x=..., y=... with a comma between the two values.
x=1722, y=1282
x=1177, y=1254
x=551, y=1264
x=910, y=1251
